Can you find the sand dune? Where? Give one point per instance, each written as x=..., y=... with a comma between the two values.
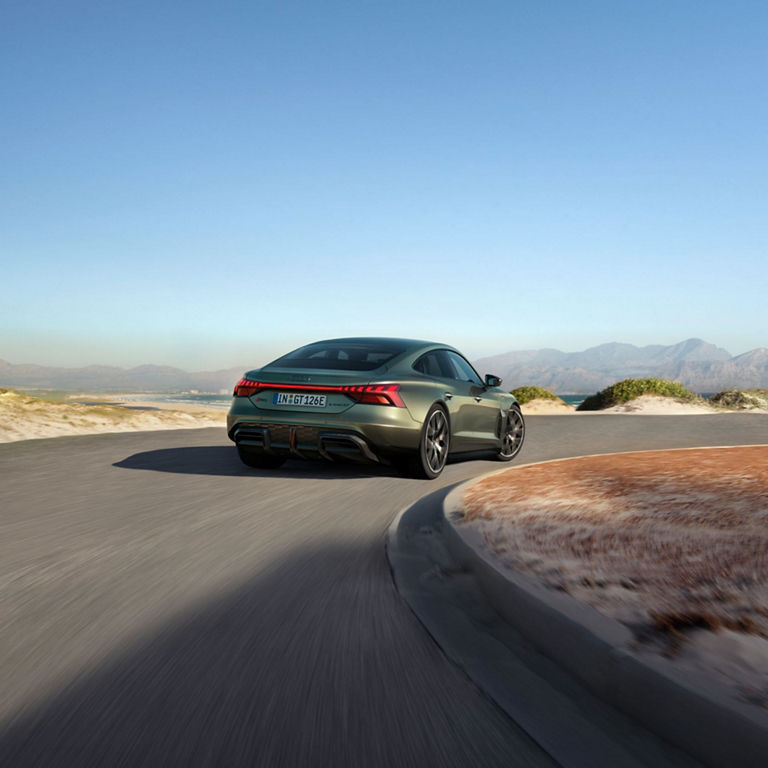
x=649, y=405
x=657, y=405
x=23, y=417
x=542, y=406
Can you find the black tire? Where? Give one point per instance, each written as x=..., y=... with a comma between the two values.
x=512, y=434
x=434, y=444
x=259, y=459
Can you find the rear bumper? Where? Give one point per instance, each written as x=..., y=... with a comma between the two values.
x=369, y=433
x=303, y=443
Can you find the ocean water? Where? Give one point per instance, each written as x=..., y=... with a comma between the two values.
x=574, y=400
x=212, y=401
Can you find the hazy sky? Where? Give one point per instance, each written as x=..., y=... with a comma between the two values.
x=207, y=184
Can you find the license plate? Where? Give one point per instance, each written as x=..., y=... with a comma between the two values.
x=305, y=401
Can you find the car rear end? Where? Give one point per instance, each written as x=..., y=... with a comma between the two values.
x=312, y=406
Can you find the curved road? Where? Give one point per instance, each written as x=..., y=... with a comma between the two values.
x=161, y=604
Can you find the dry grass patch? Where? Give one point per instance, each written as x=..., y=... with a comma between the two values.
x=663, y=541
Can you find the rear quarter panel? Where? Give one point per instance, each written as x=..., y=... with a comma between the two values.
x=419, y=395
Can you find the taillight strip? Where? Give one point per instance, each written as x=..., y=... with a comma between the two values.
x=372, y=394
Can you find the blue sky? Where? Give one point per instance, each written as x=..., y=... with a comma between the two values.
x=207, y=184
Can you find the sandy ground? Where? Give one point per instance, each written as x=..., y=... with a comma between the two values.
x=655, y=405
x=23, y=417
x=542, y=406
x=647, y=405
x=674, y=544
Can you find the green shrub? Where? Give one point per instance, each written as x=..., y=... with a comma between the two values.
x=741, y=399
x=629, y=389
x=524, y=395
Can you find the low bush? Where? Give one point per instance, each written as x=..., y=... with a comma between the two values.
x=741, y=399
x=524, y=395
x=629, y=389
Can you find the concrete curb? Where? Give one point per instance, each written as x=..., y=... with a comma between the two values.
x=537, y=702
x=597, y=651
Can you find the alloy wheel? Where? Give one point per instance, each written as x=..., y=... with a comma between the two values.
x=514, y=433
x=436, y=440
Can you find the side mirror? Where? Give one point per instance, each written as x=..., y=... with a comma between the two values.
x=492, y=381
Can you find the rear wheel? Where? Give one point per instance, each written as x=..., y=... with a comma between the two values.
x=512, y=434
x=434, y=443
x=259, y=459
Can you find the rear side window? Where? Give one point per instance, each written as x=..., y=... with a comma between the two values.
x=444, y=364
x=435, y=364
x=340, y=356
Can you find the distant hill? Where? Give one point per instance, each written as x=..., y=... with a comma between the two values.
x=698, y=365
x=97, y=378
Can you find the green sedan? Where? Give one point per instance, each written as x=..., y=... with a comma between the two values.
x=406, y=403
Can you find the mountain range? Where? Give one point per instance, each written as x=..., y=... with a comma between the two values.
x=698, y=365
x=98, y=378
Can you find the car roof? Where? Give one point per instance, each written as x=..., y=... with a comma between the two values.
x=407, y=344
x=408, y=348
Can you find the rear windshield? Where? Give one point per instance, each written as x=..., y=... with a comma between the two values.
x=340, y=356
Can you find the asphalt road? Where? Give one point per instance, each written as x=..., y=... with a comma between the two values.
x=162, y=604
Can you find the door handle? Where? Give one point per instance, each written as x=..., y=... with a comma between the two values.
x=448, y=395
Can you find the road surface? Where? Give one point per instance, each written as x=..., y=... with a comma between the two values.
x=162, y=604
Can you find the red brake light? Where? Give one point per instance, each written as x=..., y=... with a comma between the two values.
x=376, y=394
x=371, y=394
x=246, y=388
